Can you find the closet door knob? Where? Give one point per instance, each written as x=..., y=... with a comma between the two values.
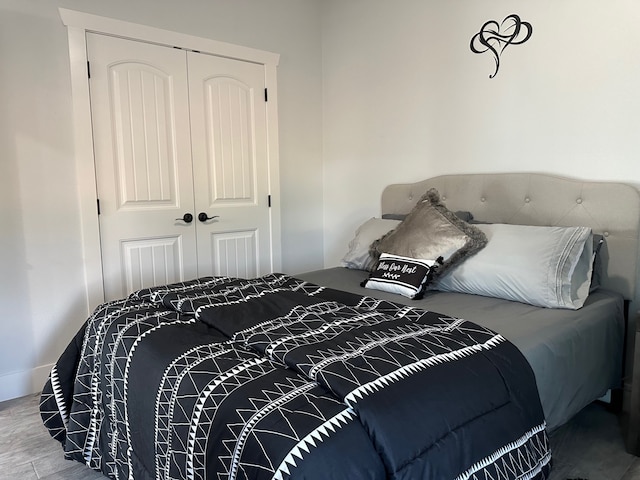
x=203, y=217
x=186, y=218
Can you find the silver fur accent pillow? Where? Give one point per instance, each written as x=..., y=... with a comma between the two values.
x=431, y=231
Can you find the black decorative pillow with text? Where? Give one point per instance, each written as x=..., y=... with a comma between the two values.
x=402, y=275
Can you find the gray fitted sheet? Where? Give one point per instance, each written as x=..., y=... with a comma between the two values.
x=576, y=355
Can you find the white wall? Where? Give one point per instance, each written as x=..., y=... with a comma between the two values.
x=41, y=283
x=370, y=92
x=405, y=98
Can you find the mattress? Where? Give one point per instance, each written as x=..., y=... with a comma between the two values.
x=576, y=355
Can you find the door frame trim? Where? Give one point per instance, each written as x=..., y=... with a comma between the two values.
x=78, y=25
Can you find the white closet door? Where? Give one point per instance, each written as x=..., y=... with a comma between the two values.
x=231, y=177
x=139, y=102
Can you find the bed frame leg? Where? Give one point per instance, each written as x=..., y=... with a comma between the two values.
x=615, y=404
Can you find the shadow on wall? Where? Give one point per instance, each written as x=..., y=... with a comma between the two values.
x=41, y=281
x=16, y=340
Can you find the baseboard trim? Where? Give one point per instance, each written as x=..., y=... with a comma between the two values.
x=19, y=384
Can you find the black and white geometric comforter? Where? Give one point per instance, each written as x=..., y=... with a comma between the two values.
x=277, y=378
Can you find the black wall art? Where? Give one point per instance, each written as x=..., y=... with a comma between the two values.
x=495, y=37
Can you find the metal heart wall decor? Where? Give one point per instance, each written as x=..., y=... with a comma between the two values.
x=495, y=37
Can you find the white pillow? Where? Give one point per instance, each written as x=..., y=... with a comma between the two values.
x=358, y=256
x=543, y=266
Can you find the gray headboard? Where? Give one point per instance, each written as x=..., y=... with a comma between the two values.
x=612, y=209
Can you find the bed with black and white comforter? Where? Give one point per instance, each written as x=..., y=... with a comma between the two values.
x=278, y=378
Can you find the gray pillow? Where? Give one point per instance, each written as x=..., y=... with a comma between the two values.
x=358, y=256
x=543, y=266
x=461, y=214
x=598, y=268
x=431, y=232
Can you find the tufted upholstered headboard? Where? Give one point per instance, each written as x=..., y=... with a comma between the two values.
x=612, y=209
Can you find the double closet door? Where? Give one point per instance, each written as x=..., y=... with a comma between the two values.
x=181, y=157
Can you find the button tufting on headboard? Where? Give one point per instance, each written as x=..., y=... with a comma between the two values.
x=558, y=201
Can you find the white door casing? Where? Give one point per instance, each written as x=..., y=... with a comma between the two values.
x=78, y=25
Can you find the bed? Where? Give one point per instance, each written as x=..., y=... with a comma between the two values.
x=313, y=376
x=572, y=363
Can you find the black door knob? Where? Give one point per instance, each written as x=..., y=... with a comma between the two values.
x=186, y=218
x=203, y=217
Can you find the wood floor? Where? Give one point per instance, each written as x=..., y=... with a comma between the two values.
x=589, y=447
